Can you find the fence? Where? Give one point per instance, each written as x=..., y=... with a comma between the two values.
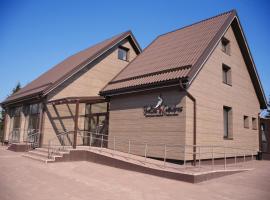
x=213, y=157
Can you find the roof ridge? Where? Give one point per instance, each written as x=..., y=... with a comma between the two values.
x=195, y=23
x=115, y=36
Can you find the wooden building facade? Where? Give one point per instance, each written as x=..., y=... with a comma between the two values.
x=190, y=90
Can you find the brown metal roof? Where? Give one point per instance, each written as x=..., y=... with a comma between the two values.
x=169, y=54
x=151, y=79
x=173, y=50
x=63, y=69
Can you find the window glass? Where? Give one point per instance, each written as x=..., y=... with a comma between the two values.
x=34, y=110
x=227, y=120
x=225, y=43
x=226, y=74
x=16, y=115
x=246, y=122
x=122, y=53
x=254, y=123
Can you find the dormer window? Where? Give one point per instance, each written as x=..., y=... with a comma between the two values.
x=225, y=45
x=123, y=53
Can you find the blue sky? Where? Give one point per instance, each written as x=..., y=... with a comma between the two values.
x=35, y=35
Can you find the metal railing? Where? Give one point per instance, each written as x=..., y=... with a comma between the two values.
x=32, y=139
x=60, y=143
x=210, y=157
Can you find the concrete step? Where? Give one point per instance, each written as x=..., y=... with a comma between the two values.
x=41, y=154
x=38, y=153
x=45, y=150
x=38, y=158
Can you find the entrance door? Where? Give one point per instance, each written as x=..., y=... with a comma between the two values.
x=96, y=124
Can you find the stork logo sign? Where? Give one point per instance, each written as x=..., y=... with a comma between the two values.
x=160, y=109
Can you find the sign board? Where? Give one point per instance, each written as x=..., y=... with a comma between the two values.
x=160, y=109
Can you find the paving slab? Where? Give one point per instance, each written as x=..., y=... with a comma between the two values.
x=22, y=178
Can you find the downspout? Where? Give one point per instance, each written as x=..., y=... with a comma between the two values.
x=192, y=98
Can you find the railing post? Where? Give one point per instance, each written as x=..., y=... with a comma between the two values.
x=213, y=158
x=113, y=144
x=165, y=154
x=128, y=146
x=102, y=141
x=185, y=157
x=252, y=159
x=235, y=158
x=199, y=157
x=225, y=163
x=244, y=159
x=49, y=149
x=145, y=152
x=90, y=141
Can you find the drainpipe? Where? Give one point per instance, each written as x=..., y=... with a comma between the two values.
x=192, y=98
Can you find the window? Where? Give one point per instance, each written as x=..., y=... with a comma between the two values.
x=254, y=123
x=34, y=110
x=264, y=139
x=246, y=122
x=123, y=53
x=226, y=74
x=16, y=115
x=225, y=45
x=227, y=119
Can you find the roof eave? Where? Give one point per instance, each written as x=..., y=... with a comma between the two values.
x=140, y=88
x=36, y=96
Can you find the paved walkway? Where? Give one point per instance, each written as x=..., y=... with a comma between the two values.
x=22, y=178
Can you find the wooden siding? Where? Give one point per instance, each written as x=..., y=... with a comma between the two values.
x=212, y=94
x=127, y=122
x=89, y=83
x=95, y=78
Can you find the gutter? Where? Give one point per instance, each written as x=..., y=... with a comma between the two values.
x=192, y=98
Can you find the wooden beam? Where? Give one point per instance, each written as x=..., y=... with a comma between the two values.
x=76, y=124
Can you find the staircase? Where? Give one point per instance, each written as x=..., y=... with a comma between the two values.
x=41, y=154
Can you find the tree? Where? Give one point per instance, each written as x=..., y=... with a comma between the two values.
x=3, y=113
x=16, y=88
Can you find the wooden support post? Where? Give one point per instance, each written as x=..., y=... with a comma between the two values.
x=76, y=124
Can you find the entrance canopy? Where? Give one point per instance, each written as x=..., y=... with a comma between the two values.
x=74, y=100
x=77, y=101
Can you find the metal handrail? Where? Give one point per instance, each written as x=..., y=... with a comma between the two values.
x=202, y=151
x=33, y=140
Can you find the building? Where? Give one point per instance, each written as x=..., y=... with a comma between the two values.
x=46, y=107
x=211, y=92
x=191, y=90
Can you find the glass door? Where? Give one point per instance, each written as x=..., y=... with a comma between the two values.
x=96, y=125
